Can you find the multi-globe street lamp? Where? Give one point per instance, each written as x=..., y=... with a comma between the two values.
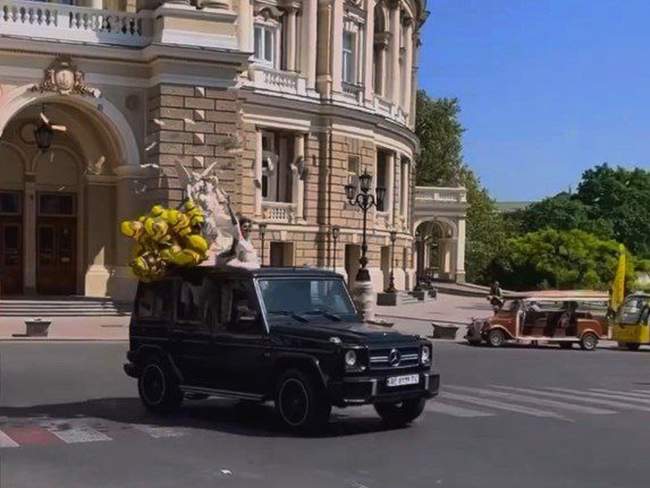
x=365, y=201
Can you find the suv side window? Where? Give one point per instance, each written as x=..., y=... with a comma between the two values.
x=154, y=300
x=189, y=306
x=239, y=310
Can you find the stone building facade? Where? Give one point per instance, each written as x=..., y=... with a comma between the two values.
x=292, y=98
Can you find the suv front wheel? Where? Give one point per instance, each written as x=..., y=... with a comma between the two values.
x=400, y=414
x=158, y=387
x=301, y=402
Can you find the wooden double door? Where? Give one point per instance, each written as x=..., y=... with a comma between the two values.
x=56, y=255
x=11, y=255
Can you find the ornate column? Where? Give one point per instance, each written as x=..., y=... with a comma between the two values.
x=245, y=26
x=126, y=208
x=99, y=219
x=290, y=42
x=460, y=251
x=309, y=32
x=369, y=42
x=258, y=173
x=390, y=186
x=298, y=185
x=408, y=64
x=336, y=53
x=394, y=23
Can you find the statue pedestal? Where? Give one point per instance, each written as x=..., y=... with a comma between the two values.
x=364, y=297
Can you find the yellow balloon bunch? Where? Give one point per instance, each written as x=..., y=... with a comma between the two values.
x=166, y=237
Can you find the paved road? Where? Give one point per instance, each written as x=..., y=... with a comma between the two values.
x=511, y=417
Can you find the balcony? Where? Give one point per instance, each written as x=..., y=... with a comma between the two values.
x=71, y=23
x=353, y=91
x=270, y=79
x=279, y=212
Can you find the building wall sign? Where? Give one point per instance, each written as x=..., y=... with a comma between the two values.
x=63, y=77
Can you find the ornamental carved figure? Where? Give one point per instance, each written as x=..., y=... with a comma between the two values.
x=63, y=77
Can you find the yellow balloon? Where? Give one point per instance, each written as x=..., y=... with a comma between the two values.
x=196, y=243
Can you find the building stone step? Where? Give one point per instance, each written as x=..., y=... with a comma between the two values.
x=70, y=307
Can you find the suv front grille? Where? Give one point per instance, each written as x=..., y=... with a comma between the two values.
x=381, y=358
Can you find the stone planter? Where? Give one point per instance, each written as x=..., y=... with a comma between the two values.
x=37, y=327
x=444, y=331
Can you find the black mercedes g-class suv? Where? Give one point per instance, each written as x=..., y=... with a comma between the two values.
x=291, y=335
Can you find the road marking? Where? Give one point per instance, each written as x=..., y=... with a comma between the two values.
x=159, y=432
x=608, y=403
x=645, y=392
x=74, y=432
x=31, y=435
x=6, y=441
x=538, y=401
x=603, y=395
x=644, y=396
x=485, y=402
x=438, y=407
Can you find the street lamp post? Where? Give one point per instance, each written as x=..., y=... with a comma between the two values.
x=391, y=280
x=262, y=228
x=336, y=230
x=363, y=292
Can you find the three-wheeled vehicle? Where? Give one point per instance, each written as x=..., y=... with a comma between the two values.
x=557, y=317
x=631, y=328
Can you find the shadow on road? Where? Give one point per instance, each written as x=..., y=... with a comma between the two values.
x=228, y=416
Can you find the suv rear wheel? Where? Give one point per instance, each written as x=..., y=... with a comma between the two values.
x=158, y=388
x=402, y=413
x=301, y=402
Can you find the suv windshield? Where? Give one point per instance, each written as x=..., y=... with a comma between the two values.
x=302, y=297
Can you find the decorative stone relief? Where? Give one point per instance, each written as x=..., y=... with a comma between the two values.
x=63, y=77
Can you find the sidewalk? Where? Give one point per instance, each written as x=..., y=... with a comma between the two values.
x=70, y=329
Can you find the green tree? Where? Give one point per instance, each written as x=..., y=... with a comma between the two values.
x=441, y=164
x=440, y=135
x=561, y=259
x=563, y=212
x=621, y=197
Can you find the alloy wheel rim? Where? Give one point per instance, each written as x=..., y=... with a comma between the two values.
x=153, y=384
x=294, y=402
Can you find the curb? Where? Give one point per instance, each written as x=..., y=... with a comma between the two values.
x=61, y=339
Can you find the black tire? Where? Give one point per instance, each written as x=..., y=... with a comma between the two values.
x=589, y=341
x=400, y=414
x=565, y=345
x=496, y=338
x=301, y=402
x=158, y=387
x=632, y=346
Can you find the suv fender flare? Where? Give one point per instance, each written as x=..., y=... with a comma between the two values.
x=158, y=351
x=589, y=331
x=298, y=360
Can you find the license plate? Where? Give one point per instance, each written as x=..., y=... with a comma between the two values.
x=409, y=379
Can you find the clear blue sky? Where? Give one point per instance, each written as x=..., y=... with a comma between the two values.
x=548, y=88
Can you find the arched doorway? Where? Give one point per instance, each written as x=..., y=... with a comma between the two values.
x=59, y=206
x=437, y=250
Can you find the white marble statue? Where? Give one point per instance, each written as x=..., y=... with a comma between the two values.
x=228, y=237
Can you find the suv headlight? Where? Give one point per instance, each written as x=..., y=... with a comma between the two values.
x=425, y=355
x=350, y=359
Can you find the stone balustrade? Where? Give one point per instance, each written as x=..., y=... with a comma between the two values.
x=288, y=82
x=279, y=212
x=71, y=23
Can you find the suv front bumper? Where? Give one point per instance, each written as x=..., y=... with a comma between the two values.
x=374, y=389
